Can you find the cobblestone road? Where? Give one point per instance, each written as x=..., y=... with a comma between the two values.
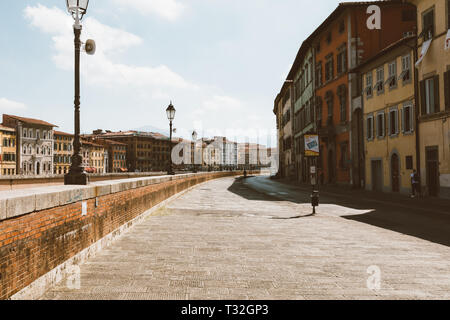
x=226, y=240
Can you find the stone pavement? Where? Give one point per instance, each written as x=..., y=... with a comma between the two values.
x=226, y=240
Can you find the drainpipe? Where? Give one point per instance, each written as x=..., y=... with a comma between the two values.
x=417, y=109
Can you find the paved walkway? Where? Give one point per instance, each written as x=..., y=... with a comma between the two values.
x=230, y=239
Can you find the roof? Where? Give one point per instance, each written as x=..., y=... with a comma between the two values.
x=130, y=133
x=2, y=127
x=383, y=52
x=30, y=120
x=60, y=133
x=88, y=143
x=110, y=142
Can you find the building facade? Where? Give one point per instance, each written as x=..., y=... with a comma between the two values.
x=433, y=67
x=7, y=151
x=304, y=108
x=34, y=145
x=341, y=43
x=389, y=118
x=62, y=152
x=145, y=151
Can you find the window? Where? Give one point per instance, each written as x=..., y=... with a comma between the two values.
x=319, y=108
x=329, y=68
x=319, y=74
x=369, y=83
x=407, y=118
x=392, y=78
x=342, y=59
x=342, y=27
x=342, y=102
x=24, y=133
x=428, y=24
x=429, y=91
x=379, y=86
x=343, y=159
x=329, y=100
x=448, y=14
x=405, y=76
x=380, y=125
x=329, y=38
x=409, y=162
x=393, y=122
x=409, y=15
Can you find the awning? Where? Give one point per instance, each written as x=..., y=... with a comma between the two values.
x=123, y=170
x=447, y=40
x=425, y=47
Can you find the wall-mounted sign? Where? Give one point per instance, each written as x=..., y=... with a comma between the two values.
x=311, y=145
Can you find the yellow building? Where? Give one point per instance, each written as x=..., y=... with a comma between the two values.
x=62, y=152
x=389, y=118
x=433, y=22
x=7, y=151
x=93, y=157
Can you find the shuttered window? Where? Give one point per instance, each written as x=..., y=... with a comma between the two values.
x=447, y=87
x=429, y=95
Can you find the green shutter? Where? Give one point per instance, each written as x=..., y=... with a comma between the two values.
x=447, y=84
x=422, y=97
x=436, y=94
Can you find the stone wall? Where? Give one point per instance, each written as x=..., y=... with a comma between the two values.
x=42, y=228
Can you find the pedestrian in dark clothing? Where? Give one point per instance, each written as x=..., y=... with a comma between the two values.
x=414, y=183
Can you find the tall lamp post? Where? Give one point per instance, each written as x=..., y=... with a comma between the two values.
x=194, y=139
x=170, y=115
x=76, y=175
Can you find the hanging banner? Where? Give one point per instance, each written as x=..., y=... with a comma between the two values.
x=447, y=40
x=311, y=145
x=425, y=47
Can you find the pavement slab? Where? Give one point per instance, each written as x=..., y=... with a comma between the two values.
x=232, y=238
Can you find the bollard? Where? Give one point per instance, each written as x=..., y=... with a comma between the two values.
x=315, y=200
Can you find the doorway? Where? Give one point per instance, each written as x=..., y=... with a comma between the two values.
x=432, y=168
x=377, y=177
x=331, y=167
x=395, y=173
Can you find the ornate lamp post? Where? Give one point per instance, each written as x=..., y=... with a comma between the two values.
x=76, y=175
x=170, y=115
x=194, y=139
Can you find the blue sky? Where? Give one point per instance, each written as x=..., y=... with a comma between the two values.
x=222, y=62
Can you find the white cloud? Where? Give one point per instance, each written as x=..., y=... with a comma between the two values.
x=147, y=85
x=100, y=69
x=167, y=9
x=9, y=105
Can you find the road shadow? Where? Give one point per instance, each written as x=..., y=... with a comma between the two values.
x=399, y=217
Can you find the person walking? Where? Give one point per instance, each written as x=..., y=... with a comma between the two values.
x=414, y=183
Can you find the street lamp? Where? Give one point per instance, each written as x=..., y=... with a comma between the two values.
x=194, y=139
x=76, y=175
x=170, y=115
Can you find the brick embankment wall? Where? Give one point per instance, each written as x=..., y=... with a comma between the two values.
x=42, y=228
x=23, y=182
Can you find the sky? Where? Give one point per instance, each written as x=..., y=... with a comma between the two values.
x=220, y=62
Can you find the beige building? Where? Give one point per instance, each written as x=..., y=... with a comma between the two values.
x=93, y=157
x=34, y=145
x=433, y=21
x=7, y=151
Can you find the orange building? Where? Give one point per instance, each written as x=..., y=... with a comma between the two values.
x=342, y=42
